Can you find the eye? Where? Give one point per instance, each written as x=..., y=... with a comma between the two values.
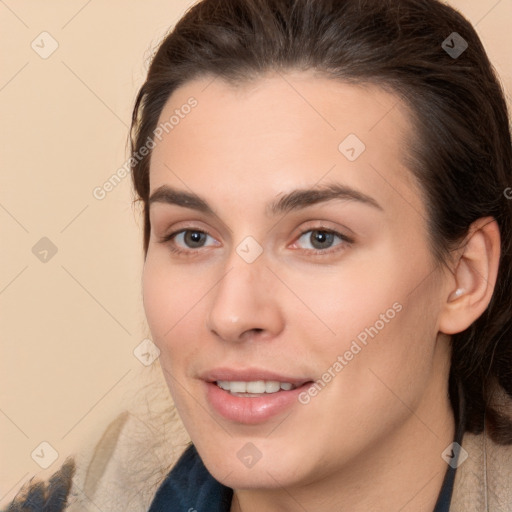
x=186, y=240
x=320, y=240
x=192, y=239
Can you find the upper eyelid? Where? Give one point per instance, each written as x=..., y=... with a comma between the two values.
x=343, y=237
x=187, y=225
x=175, y=232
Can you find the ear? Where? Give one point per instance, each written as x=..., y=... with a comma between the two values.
x=474, y=277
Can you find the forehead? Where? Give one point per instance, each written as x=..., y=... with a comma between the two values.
x=282, y=131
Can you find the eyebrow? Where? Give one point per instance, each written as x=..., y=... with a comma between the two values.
x=295, y=200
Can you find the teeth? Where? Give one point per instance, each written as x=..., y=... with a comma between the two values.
x=223, y=384
x=238, y=387
x=255, y=386
x=272, y=386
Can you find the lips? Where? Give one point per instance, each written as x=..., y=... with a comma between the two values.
x=250, y=375
x=251, y=408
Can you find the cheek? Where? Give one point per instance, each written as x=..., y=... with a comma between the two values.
x=174, y=300
x=169, y=298
x=379, y=316
x=158, y=302
x=341, y=302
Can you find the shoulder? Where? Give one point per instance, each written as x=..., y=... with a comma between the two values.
x=120, y=470
x=190, y=486
x=483, y=480
x=51, y=496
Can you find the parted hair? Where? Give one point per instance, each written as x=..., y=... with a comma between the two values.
x=459, y=150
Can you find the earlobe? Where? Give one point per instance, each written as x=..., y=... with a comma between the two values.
x=474, y=277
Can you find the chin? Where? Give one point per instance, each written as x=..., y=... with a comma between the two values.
x=254, y=462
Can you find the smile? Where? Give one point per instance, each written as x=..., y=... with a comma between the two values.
x=254, y=388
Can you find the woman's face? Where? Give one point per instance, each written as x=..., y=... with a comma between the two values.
x=303, y=259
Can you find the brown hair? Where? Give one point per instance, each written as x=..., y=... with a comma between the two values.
x=460, y=149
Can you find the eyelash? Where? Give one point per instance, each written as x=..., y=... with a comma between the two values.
x=317, y=252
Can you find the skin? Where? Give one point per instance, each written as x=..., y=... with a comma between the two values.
x=373, y=437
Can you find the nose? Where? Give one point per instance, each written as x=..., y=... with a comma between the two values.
x=245, y=304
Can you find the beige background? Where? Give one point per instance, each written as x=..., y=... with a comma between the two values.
x=69, y=325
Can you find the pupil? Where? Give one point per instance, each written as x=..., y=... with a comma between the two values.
x=321, y=239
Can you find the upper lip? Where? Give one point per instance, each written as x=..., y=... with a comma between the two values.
x=249, y=375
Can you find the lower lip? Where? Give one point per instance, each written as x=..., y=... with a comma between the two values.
x=251, y=410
